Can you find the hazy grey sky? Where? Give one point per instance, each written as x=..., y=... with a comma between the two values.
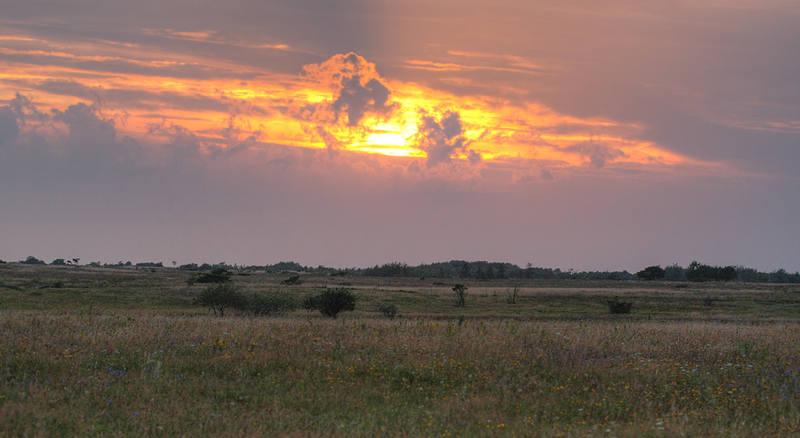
x=353, y=133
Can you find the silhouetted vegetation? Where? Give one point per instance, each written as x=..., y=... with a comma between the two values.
x=481, y=270
x=331, y=302
x=31, y=260
x=698, y=272
x=461, y=295
x=218, y=275
x=651, y=273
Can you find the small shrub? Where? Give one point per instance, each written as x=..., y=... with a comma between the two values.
x=388, y=310
x=218, y=275
x=331, y=302
x=221, y=297
x=270, y=303
x=461, y=295
x=511, y=295
x=710, y=301
x=293, y=280
x=616, y=306
x=31, y=260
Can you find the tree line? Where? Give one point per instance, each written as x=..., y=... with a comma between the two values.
x=479, y=270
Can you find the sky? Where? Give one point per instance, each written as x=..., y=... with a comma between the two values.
x=348, y=133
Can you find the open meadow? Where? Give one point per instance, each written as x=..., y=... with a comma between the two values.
x=105, y=352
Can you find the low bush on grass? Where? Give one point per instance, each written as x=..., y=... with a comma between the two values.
x=388, y=310
x=294, y=280
x=616, y=306
x=331, y=302
x=271, y=303
x=218, y=275
x=221, y=297
x=224, y=296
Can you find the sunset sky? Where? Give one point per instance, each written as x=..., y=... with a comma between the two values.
x=571, y=134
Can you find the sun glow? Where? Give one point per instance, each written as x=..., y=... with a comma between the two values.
x=340, y=104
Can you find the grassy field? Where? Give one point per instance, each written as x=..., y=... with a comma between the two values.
x=100, y=352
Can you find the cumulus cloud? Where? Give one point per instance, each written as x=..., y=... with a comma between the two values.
x=8, y=125
x=78, y=141
x=357, y=89
x=441, y=139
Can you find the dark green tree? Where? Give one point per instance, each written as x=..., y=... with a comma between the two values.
x=221, y=297
x=331, y=302
x=651, y=273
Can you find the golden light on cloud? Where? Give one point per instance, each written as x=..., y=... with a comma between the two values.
x=341, y=104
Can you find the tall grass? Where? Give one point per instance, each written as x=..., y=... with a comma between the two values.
x=121, y=353
x=122, y=373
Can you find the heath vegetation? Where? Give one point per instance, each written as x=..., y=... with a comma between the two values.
x=103, y=352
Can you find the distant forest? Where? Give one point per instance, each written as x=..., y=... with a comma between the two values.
x=695, y=271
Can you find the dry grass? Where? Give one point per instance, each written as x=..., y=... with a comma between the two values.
x=128, y=355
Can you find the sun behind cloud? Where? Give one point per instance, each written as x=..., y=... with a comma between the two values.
x=342, y=105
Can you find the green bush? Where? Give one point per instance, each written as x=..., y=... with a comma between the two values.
x=218, y=275
x=331, y=302
x=221, y=297
x=388, y=310
x=651, y=273
x=270, y=303
x=617, y=307
x=293, y=280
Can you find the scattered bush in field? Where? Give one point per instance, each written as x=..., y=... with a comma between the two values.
x=331, y=302
x=651, y=273
x=461, y=295
x=31, y=260
x=616, y=306
x=710, y=301
x=293, y=280
x=388, y=310
x=222, y=296
x=511, y=295
x=218, y=275
x=270, y=303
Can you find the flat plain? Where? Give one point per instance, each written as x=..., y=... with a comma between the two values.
x=123, y=352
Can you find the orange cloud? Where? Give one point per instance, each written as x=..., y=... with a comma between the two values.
x=341, y=104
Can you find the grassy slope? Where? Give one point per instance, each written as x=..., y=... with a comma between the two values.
x=121, y=353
